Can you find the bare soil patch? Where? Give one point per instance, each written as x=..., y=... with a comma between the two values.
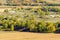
x=28, y=36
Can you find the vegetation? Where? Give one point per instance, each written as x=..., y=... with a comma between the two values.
x=30, y=3
x=33, y=20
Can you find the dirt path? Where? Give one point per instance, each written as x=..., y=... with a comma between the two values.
x=28, y=36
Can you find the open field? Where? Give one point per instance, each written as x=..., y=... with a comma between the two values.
x=28, y=36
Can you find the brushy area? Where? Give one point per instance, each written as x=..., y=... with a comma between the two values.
x=30, y=19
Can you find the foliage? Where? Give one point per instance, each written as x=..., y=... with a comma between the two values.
x=6, y=10
x=46, y=27
x=12, y=27
x=51, y=27
x=32, y=19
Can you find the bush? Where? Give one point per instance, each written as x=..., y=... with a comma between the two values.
x=23, y=23
x=6, y=26
x=58, y=24
x=47, y=27
x=51, y=27
x=12, y=27
x=57, y=27
x=31, y=22
x=6, y=10
x=42, y=26
x=1, y=27
x=33, y=28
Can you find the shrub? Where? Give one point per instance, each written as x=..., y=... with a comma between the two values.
x=23, y=23
x=12, y=27
x=42, y=26
x=51, y=27
x=18, y=23
x=33, y=27
x=6, y=10
x=24, y=20
x=1, y=27
x=47, y=27
x=44, y=8
x=58, y=24
x=57, y=27
x=6, y=26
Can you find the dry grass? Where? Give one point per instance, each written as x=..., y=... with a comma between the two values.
x=28, y=36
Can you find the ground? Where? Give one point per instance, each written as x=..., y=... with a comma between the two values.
x=28, y=36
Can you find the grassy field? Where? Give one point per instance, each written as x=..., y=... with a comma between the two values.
x=28, y=36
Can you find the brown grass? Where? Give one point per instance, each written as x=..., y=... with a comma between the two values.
x=28, y=36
